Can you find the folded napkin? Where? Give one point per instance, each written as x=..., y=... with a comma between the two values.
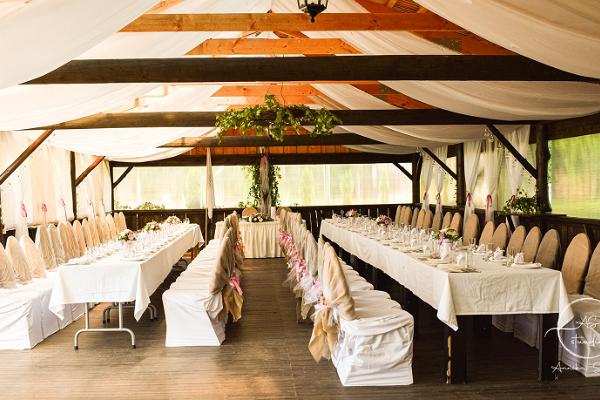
x=481, y=248
x=526, y=266
x=520, y=258
x=498, y=254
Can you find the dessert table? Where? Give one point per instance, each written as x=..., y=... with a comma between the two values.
x=493, y=290
x=117, y=279
x=259, y=238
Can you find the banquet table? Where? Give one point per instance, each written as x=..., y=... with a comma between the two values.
x=259, y=238
x=495, y=290
x=117, y=280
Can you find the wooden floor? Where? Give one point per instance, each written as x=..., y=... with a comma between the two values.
x=265, y=356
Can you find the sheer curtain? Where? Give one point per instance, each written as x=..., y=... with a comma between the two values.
x=472, y=151
x=440, y=175
x=519, y=138
x=426, y=175
x=492, y=162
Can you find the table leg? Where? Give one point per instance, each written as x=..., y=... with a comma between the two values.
x=411, y=305
x=374, y=277
x=87, y=328
x=548, y=353
x=455, y=347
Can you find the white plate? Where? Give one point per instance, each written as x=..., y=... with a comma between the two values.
x=136, y=258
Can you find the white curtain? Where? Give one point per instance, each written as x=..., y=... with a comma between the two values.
x=492, y=163
x=210, y=186
x=93, y=193
x=426, y=175
x=519, y=138
x=440, y=175
x=45, y=34
x=561, y=33
x=472, y=153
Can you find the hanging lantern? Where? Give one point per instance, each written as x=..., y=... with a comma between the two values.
x=312, y=7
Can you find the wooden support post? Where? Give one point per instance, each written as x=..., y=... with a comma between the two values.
x=404, y=171
x=441, y=163
x=508, y=146
x=89, y=169
x=548, y=353
x=73, y=170
x=417, y=163
x=26, y=153
x=123, y=175
x=542, y=156
x=112, y=188
x=461, y=185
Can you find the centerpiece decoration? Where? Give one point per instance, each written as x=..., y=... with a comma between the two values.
x=152, y=226
x=521, y=204
x=264, y=187
x=273, y=119
x=126, y=236
x=448, y=234
x=173, y=220
x=259, y=217
x=383, y=220
x=352, y=213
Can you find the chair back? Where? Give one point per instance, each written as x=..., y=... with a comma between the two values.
x=447, y=220
x=427, y=220
x=335, y=285
x=73, y=240
x=398, y=216
x=248, y=211
x=500, y=237
x=87, y=234
x=80, y=237
x=592, y=280
x=7, y=274
x=456, y=222
x=42, y=239
x=415, y=216
x=311, y=256
x=112, y=226
x=547, y=253
x=57, y=246
x=531, y=244
x=575, y=263
x=18, y=260
x=34, y=257
x=487, y=233
x=471, y=230
x=94, y=231
x=436, y=223
x=406, y=220
x=516, y=240
x=224, y=265
x=65, y=239
x=420, y=218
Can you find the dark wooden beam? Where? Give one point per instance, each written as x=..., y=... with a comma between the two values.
x=112, y=186
x=508, y=146
x=73, y=172
x=291, y=69
x=572, y=127
x=89, y=169
x=337, y=139
x=461, y=185
x=280, y=159
x=123, y=175
x=441, y=163
x=208, y=119
x=417, y=164
x=23, y=156
x=542, y=156
x=404, y=170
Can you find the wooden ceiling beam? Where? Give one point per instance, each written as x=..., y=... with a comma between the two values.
x=269, y=22
x=88, y=170
x=292, y=69
x=262, y=90
x=24, y=155
x=208, y=119
x=259, y=46
x=391, y=96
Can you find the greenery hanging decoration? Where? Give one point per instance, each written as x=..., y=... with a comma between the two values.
x=254, y=193
x=273, y=118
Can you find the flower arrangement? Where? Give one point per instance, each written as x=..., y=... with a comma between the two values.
x=173, y=220
x=447, y=234
x=351, y=213
x=152, y=226
x=521, y=204
x=259, y=218
x=383, y=220
x=126, y=236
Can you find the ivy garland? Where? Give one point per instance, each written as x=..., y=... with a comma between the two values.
x=254, y=193
x=255, y=118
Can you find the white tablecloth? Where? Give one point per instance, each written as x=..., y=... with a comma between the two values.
x=260, y=238
x=114, y=280
x=496, y=290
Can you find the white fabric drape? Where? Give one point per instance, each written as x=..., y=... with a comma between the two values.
x=440, y=175
x=426, y=175
x=492, y=162
x=561, y=33
x=45, y=34
x=472, y=153
x=210, y=186
x=519, y=138
x=93, y=194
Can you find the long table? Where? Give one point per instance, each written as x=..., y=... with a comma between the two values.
x=259, y=238
x=496, y=290
x=114, y=280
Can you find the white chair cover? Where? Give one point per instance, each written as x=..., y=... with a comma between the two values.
x=7, y=274
x=42, y=240
x=68, y=245
x=87, y=234
x=79, y=237
x=18, y=260
x=57, y=246
x=34, y=257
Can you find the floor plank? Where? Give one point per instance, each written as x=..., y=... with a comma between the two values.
x=265, y=356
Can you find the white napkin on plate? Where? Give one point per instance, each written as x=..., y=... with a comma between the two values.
x=520, y=258
x=498, y=254
x=527, y=266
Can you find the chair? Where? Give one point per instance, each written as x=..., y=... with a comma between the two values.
x=415, y=217
x=436, y=224
x=87, y=234
x=42, y=239
x=34, y=257
x=447, y=220
x=420, y=218
x=500, y=237
x=531, y=244
x=80, y=237
x=398, y=216
x=73, y=240
x=94, y=230
x=7, y=274
x=248, y=211
x=65, y=239
x=427, y=220
x=406, y=220
x=112, y=227
x=18, y=260
x=487, y=233
x=575, y=263
x=57, y=246
x=456, y=222
x=471, y=230
x=580, y=354
x=547, y=253
x=515, y=244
